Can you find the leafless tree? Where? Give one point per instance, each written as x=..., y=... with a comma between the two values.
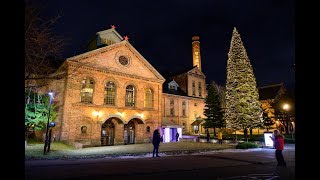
x=43, y=48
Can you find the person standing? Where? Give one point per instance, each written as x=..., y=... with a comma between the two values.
x=156, y=142
x=177, y=136
x=278, y=141
x=220, y=137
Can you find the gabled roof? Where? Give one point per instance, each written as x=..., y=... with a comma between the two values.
x=169, y=124
x=195, y=68
x=165, y=88
x=81, y=57
x=197, y=122
x=270, y=92
x=181, y=71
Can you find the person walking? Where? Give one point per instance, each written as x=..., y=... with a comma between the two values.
x=278, y=141
x=156, y=142
x=220, y=137
x=177, y=136
x=208, y=136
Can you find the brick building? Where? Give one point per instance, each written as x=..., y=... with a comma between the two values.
x=112, y=95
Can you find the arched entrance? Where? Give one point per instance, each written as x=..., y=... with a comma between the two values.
x=129, y=133
x=107, y=133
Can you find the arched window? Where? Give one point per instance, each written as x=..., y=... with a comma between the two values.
x=148, y=99
x=130, y=95
x=109, y=93
x=200, y=89
x=87, y=85
x=193, y=88
x=84, y=129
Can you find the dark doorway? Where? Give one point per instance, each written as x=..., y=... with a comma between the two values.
x=129, y=133
x=107, y=133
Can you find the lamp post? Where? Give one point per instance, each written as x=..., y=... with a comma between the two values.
x=277, y=124
x=47, y=140
x=286, y=107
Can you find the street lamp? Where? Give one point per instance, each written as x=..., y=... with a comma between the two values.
x=286, y=107
x=47, y=139
x=277, y=124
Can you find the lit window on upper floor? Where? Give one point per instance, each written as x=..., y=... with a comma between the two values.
x=109, y=93
x=171, y=102
x=87, y=86
x=130, y=96
x=193, y=88
x=148, y=98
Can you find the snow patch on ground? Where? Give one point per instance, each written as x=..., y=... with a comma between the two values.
x=149, y=155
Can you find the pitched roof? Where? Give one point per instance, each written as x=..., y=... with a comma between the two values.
x=169, y=124
x=270, y=92
x=165, y=88
x=196, y=122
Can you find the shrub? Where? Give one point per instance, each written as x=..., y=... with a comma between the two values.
x=289, y=141
x=246, y=145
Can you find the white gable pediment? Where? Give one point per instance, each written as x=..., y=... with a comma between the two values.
x=121, y=58
x=173, y=85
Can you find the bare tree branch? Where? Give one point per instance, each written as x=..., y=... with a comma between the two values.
x=43, y=47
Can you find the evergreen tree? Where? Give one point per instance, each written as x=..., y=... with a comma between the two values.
x=213, y=110
x=36, y=111
x=267, y=121
x=243, y=109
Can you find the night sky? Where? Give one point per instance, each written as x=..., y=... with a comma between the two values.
x=162, y=30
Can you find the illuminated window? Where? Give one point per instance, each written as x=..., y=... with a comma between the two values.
x=87, y=85
x=183, y=108
x=171, y=102
x=130, y=95
x=172, y=111
x=200, y=89
x=109, y=93
x=183, y=112
x=193, y=88
x=172, y=87
x=148, y=99
x=109, y=42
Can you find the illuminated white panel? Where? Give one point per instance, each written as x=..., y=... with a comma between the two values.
x=267, y=140
x=180, y=132
x=166, y=135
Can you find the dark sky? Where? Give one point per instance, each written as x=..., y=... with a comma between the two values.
x=162, y=30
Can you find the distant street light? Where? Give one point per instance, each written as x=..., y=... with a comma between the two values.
x=277, y=124
x=286, y=107
x=47, y=139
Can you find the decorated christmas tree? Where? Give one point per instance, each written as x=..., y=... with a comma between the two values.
x=243, y=109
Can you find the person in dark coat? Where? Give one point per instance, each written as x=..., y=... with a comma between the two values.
x=278, y=141
x=177, y=136
x=156, y=142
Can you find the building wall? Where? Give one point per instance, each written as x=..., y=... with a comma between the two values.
x=196, y=77
x=192, y=111
x=103, y=68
